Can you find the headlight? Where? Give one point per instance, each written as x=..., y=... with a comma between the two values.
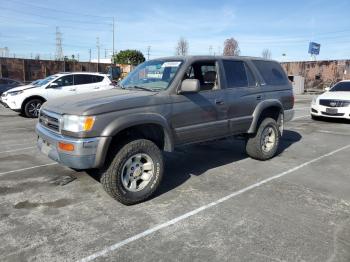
x=14, y=93
x=73, y=123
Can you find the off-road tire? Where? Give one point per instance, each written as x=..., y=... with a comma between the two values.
x=254, y=146
x=27, y=107
x=111, y=178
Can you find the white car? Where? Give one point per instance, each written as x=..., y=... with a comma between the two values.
x=28, y=99
x=334, y=103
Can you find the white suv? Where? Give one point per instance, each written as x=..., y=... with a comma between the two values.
x=28, y=99
x=334, y=103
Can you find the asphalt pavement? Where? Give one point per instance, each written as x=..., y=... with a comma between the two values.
x=214, y=204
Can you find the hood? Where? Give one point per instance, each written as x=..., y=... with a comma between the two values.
x=20, y=88
x=335, y=96
x=99, y=102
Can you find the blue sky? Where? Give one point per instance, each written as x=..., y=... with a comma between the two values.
x=28, y=27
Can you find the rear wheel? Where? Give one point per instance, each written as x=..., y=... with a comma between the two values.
x=32, y=107
x=264, y=144
x=134, y=173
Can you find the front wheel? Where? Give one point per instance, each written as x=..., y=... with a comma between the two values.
x=264, y=144
x=134, y=173
x=32, y=107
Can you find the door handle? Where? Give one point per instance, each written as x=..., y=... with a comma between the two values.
x=259, y=97
x=96, y=87
x=72, y=89
x=219, y=102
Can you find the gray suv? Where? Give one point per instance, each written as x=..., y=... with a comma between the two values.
x=161, y=105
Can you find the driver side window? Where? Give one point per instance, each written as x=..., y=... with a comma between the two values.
x=206, y=73
x=64, y=81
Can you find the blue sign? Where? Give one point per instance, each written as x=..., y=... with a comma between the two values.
x=314, y=48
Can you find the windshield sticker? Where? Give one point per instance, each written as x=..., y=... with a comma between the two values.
x=171, y=64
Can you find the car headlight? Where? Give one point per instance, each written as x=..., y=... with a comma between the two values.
x=73, y=123
x=14, y=93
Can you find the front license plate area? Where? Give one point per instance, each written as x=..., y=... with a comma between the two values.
x=45, y=147
x=332, y=111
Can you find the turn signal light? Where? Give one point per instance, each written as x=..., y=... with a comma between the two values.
x=65, y=147
x=88, y=123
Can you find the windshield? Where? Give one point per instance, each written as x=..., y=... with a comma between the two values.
x=45, y=81
x=152, y=75
x=341, y=87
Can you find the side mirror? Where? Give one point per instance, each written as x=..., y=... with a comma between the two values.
x=53, y=85
x=327, y=89
x=190, y=86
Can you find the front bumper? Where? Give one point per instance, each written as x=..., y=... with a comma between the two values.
x=88, y=152
x=321, y=111
x=3, y=103
x=12, y=102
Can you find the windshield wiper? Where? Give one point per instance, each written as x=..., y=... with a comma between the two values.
x=140, y=87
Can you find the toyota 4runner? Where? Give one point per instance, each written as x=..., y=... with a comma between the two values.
x=161, y=105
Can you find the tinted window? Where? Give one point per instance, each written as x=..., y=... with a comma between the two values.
x=82, y=79
x=96, y=79
x=236, y=75
x=251, y=78
x=3, y=82
x=342, y=86
x=65, y=81
x=272, y=72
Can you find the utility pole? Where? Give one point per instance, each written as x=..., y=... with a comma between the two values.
x=90, y=55
x=148, y=51
x=113, y=37
x=210, y=50
x=105, y=53
x=98, y=52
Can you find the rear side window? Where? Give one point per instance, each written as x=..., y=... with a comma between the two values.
x=236, y=75
x=272, y=72
x=82, y=79
x=97, y=79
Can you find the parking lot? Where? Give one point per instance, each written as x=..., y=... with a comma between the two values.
x=215, y=203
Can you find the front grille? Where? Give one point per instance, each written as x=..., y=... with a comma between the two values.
x=334, y=103
x=50, y=120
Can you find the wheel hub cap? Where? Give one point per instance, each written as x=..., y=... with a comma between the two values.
x=137, y=172
x=268, y=139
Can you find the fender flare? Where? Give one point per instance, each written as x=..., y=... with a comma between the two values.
x=259, y=109
x=121, y=123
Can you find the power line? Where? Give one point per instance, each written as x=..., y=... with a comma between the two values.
x=54, y=18
x=58, y=10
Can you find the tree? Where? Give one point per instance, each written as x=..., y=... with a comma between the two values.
x=129, y=57
x=182, y=47
x=231, y=47
x=266, y=53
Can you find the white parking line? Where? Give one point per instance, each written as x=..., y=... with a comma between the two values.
x=21, y=144
x=27, y=168
x=301, y=108
x=16, y=128
x=202, y=208
x=15, y=150
x=299, y=117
